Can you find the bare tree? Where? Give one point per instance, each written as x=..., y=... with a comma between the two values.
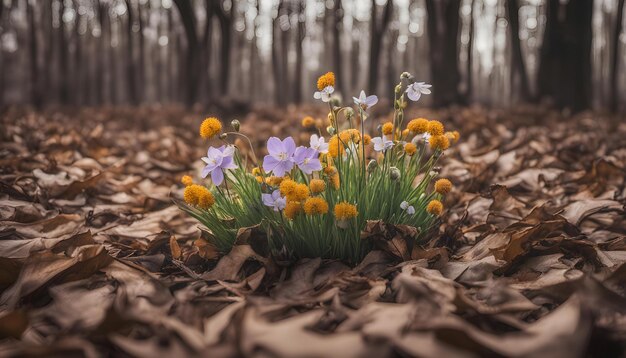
x=616, y=56
x=188, y=19
x=207, y=41
x=443, y=32
x=34, y=68
x=565, y=59
x=276, y=57
x=300, y=34
x=226, y=21
x=378, y=28
x=336, y=31
x=518, y=66
x=470, y=56
x=63, y=57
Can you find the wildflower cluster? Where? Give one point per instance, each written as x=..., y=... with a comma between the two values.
x=314, y=200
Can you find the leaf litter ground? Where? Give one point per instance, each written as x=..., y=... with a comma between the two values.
x=96, y=261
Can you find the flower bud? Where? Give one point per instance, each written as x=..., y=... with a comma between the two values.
x=236, y=125
x=379, y=129
x=331, y=130
x=349, y=112
x=334, y=102
x=398, y=88
x=405, y=75
x=371, y=166
x=394, y=173
x=223, y=136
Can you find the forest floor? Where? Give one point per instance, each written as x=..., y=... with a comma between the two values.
x=96, y=261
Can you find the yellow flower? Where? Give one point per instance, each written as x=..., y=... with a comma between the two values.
x=259, y=179
x=439, y=142
x=325, y=80
x=350, y=135
x=453, y=136
x=315, y=205
x=435, y=128
x=317, y=186
x=198, y=195
x=206, y=199
x=292, y=209
x=256, y=171
x=387, y=128
x=210, y=127
x=418, y=125
x=330, y=170
x=410, y=148
x=405, y=133
x=333, y=176
x=335, y=147
x=334, y=180
x=186, y=180
x=367, y=139
x=274, y=180
x=308, y=121
x=443, y=186
x=287, y=187
x=435, y=207
x=300, y=193
x=345, y=211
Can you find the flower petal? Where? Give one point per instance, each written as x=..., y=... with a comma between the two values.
x=290, y=146
x=205, y=171
x=275, y=146
x=269, y=163
x=217, y=176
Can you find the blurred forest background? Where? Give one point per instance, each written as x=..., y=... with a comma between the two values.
x=498, y=53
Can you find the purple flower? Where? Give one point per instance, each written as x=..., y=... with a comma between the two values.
x=280, y=159
x=274, y=200
x=307, y=159
x=218, y=159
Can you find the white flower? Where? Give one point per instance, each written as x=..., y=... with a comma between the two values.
x=425, y=138
x=381, y=145
x=408, y=208
x=365, y=101
x=417, y=89
x=319, y=144
x=324, y=94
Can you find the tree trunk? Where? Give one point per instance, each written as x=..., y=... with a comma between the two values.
x=276, y=65
x=207, y=41
x=518, y=66
x=34, y=55
x=443, y=31
x=616, y=57
x=565, y=58
x=131, y=71
x=141, y=72
x=191, y=74
x=63, y=57
x=297, y=93
x=376, y=37
x=225, y=21
x=336, y=30
x=470, y=58
x=78, y=92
